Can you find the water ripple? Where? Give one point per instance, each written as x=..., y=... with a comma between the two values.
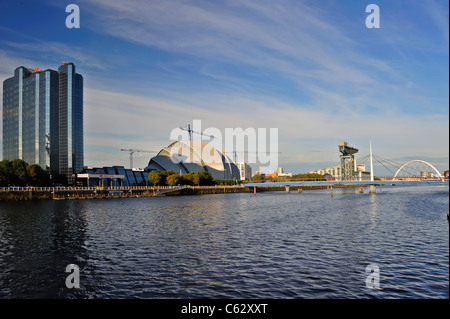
x=274, y=245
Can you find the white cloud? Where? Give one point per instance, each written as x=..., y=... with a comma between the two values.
x=151, y=119
x=349, y=94
x=290, y=38
x=68, y=52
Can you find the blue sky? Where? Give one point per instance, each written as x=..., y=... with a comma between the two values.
x=312, y=69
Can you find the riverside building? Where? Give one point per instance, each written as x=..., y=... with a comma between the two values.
x=43, y=119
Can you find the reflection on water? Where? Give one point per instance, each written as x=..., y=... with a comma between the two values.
x=38, y=240
x=274, y=245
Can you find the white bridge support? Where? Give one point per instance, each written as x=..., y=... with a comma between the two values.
x=418, y=161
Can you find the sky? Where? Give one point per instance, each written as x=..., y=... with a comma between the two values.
x=312, y=69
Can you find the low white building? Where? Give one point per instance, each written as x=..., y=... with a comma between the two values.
x=334, y=171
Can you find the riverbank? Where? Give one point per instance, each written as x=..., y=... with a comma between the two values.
x=66, y=193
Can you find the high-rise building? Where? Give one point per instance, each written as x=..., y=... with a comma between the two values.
x=43, y=118
x=245, y=171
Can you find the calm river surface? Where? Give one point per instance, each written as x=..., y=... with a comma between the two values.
x=274, y=245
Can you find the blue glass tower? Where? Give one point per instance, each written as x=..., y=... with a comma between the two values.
x=43, y=119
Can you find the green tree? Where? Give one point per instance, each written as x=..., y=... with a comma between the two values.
x=173, y=179
x=5, y=172
x=205, y=178
x=187, y=179
x=154, y=178
x=195, y=179
x=164, y=175
x=19, y=172
x=37, y=176
x=257, y=178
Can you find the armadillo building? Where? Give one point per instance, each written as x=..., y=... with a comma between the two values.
x=194, y=156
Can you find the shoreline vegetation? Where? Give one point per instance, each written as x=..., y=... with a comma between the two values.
x=20, y=181
x=19, y=173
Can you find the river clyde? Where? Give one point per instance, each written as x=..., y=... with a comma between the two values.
x=273, y=245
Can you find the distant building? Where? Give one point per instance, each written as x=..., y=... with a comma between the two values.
x=285, y=175
x=361, y=168
x=281, y=173
x=43, y=119
x=114, y=176
x=193, y=156
x=426, y=174
x=334, y=171
x=245, y=171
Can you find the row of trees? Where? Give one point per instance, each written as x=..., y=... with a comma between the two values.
x=19, y=173
x=170, y=178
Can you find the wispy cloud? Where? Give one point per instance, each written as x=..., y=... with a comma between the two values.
x=290, y=38
x=50, y=50
x=309, y=68
x=152, y=119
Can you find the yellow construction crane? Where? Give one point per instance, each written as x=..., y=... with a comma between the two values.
x=132, y=151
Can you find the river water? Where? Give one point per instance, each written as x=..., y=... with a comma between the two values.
x=272, y=245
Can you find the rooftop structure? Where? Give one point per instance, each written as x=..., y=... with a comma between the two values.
x=113, y=176
x=194, y=156
x=348, y=163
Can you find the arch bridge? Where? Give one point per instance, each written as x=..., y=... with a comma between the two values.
x=416, y=167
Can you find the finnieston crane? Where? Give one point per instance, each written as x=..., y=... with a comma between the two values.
x=132, y=151
x=191, y=131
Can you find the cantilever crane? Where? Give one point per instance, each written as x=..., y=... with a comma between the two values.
x=132, y=151
x=191, y=131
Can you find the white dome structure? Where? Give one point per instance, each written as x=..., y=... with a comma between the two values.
x=194, y=156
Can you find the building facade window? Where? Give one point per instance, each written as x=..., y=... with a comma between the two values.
x=43, y=119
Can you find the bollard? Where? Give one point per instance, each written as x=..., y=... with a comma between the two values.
x=361, y=190
x=300, y=190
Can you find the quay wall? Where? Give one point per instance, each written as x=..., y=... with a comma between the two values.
x=54, y=193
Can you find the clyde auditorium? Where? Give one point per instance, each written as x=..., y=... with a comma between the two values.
x=194, y=156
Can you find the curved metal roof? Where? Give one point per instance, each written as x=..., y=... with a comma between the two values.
x=194, y=156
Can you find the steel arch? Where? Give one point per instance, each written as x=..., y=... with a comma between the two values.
x=418, y=161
